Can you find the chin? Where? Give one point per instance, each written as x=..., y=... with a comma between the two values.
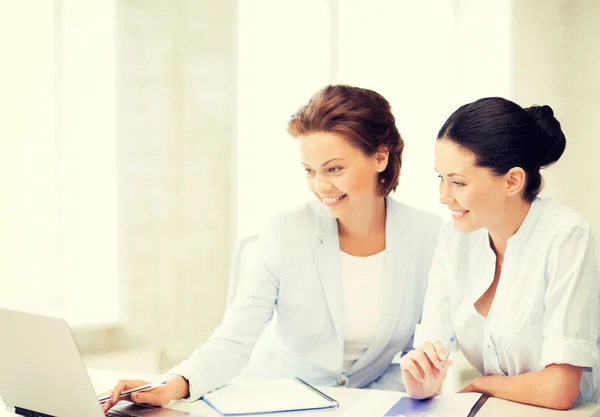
x=465, y=227
x=334, y=212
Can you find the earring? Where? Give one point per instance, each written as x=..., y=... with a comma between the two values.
x=382, y=180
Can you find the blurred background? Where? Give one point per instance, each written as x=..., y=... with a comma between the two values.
x=141, y=139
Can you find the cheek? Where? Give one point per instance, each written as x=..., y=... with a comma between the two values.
x=482, y=200
x=469, y=197
x=361, y=182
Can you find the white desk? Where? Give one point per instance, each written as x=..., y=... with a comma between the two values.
x=349, y=399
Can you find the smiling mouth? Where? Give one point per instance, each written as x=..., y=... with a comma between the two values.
x=329, y=201
x=459, y=214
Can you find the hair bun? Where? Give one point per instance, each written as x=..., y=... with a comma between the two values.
x=553, y=141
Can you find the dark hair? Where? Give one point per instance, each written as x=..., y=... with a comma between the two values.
x=503, y=135
x=363, y=117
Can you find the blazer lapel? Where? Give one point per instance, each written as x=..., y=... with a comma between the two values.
x=327, y=258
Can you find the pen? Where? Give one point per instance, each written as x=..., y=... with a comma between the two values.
x=447, y=351
x=146, y=387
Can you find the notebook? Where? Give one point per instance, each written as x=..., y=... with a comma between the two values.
x=264, y=397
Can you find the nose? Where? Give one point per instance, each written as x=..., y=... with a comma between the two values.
x=446, y=197
x=322, y=185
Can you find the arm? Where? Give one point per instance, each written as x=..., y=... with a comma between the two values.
x=556, y=386
x=222, y=357
x=570, y=329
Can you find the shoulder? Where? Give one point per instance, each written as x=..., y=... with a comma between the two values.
x=558, y=218
x=291, y=225
x=561, y=227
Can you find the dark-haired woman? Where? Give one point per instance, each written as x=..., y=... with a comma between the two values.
x=514, y=280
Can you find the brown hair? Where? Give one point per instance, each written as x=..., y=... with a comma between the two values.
x=363, y=117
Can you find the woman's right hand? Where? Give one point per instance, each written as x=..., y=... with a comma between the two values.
x=422, y=371
x=176, y=387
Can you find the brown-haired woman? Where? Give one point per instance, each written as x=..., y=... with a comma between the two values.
x=340, y=279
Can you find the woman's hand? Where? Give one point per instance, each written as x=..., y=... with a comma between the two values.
x=176, y=387
x=422, y=370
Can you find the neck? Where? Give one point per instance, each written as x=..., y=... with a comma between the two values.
x=511, y=221
x=366, y=222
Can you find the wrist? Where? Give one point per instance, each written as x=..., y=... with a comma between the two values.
x=478, y=385
x=427, y=389
x=177, y=387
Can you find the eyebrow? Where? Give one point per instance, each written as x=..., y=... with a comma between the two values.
x=325, y=163
x=452, y=174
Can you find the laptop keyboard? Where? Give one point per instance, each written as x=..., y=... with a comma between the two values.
x=118, y=414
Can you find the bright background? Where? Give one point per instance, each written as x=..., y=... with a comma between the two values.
x=140, y=139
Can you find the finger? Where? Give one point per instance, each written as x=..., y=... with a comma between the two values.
x=122, y=385
x=107, y=406
x=432, y=353
x=157, y=397
x=424, y=362
x=439, y=348
x=118, y=389
x=409, y=366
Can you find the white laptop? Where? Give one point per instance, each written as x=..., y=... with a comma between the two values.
x=42, y=373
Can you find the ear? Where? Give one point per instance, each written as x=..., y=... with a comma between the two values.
x=515, y=181
x=381, y=158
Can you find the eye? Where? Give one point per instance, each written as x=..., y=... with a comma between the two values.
x=308, y=171
x=335, y=169
x=440, y=177
x=459, y=184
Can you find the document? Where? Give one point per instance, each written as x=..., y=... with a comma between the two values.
x=457, y=405
x=261, y=397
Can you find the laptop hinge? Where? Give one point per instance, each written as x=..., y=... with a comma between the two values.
x=30, y=413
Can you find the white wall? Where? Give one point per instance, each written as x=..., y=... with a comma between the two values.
x=578, y=173
x=557, y=62
x=176, y=76
x=282, y=60
x=483, y=37
x=404, y=51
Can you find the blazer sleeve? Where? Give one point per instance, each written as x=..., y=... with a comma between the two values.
x=228, y=350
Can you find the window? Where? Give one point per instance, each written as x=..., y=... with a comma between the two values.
x=59, y=256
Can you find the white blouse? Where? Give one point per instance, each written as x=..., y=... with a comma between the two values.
x=546, y=306
x=362, y=283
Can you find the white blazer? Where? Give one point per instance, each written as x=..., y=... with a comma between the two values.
x=296, y=285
